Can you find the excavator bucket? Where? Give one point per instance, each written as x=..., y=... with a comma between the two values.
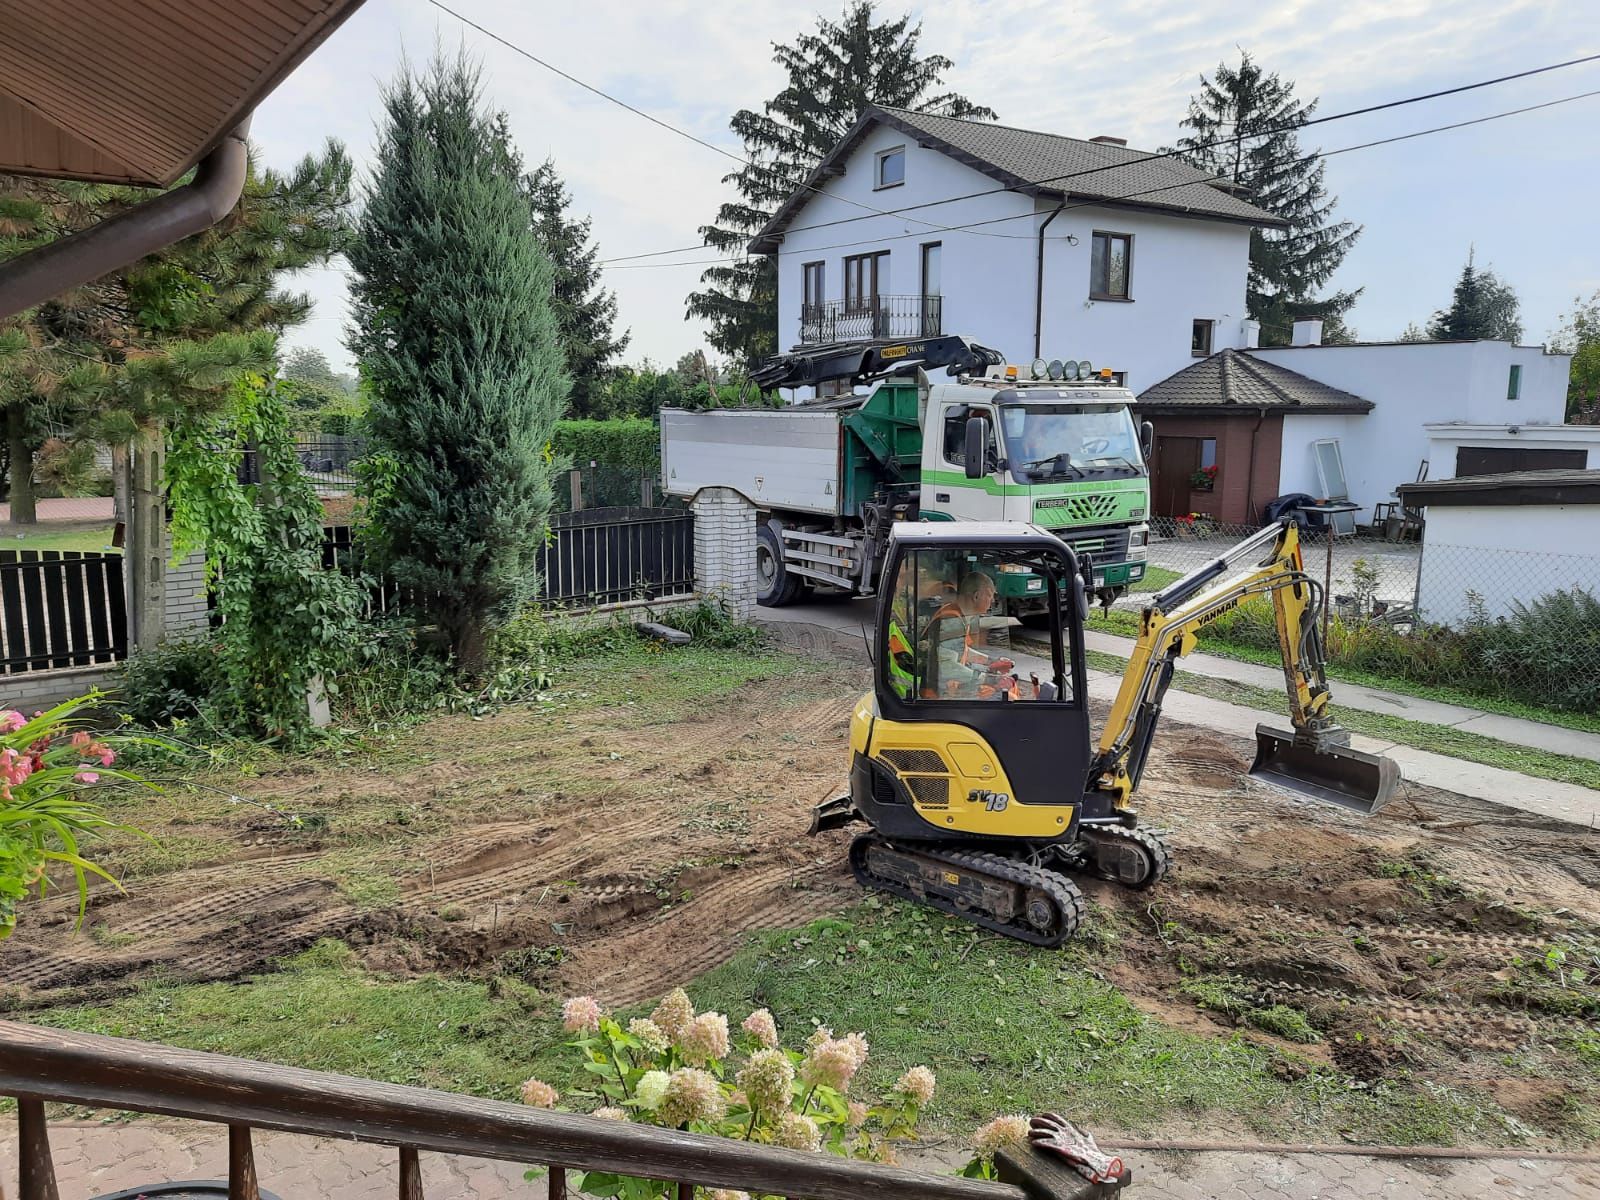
x=1324, y=767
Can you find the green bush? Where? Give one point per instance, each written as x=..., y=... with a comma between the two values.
x=623, y=442
x=170, y=683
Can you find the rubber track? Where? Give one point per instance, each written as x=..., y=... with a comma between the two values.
x=1153, y=844
x=1062, y=891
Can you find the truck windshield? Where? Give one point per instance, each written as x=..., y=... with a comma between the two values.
x=1070, y=441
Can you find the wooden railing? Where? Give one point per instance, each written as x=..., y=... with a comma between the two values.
x=39, y=1065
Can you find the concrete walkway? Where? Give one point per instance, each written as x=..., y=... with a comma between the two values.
x=67, y=508
x=94, y=1158
x=842, y=628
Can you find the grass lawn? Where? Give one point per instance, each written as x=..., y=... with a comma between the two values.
x=43, y=537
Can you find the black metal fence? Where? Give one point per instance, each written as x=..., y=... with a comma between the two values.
x=60, y=608
x=876, y=317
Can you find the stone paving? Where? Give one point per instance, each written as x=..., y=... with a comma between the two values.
x=95, y=1158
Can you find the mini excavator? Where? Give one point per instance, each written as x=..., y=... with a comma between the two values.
x=982, y=787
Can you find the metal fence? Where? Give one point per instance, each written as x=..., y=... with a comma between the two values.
x=60, y=608
x=874, y=317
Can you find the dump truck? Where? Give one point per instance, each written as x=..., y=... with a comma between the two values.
x=1055, y=445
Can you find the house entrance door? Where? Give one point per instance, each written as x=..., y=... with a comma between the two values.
x=1175, y=462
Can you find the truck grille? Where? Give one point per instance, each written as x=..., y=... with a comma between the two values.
x=1080, y=506
x=1107, y=545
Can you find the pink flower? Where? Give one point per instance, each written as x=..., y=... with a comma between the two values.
x=11, y=721
x=856, y=1114
x=706, y=1038
x=539, y=1094
x=762, y=1027
x=858, y=1045
x=581, y=1014
x=15, y=767
x=832, y=1063
x=80, y=739
x=87, y=777
x=107, y=756
x=916, y=1084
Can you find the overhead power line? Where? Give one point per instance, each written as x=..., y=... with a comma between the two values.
x=1098, y=201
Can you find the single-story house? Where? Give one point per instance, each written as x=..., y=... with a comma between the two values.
x=1502, y=538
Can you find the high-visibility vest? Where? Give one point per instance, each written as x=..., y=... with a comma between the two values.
x=901, y=678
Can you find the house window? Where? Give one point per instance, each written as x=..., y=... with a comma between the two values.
x=891, y=168
x=864, y=275
x=1208, y=453
x=1200, y=338
x=813, y=289
x=1514, y=384
x=1111, y=266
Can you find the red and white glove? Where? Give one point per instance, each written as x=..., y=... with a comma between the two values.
x=1064, y=1139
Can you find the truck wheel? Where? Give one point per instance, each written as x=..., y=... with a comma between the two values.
x=775, y=585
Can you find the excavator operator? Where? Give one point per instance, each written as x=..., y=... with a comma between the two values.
x=961, y=670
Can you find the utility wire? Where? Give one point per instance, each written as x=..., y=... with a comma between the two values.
x=1303, y=160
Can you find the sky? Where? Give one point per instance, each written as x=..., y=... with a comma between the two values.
x=1520, y=191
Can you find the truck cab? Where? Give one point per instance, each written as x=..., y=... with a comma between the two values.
x=1067, y=457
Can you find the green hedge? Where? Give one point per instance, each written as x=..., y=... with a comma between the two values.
x=623, y=442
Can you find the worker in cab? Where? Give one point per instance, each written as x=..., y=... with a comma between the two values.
x=962, y=669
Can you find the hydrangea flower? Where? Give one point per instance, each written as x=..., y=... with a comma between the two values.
x=673, y=1014
x=831, y=1063
x=610, y=1113
x=797, y=1132
x=651, y=1087
x=706, y=1038
x=539, y=1094
x=916, y=1084
x=650, y=1036
x=691, y=1095
x=856, y=1114
x=727, y=1194
x=762, y=1027
x=768, y=1081
x=858, y=1045
x=581, y=1014
x=999, y=1133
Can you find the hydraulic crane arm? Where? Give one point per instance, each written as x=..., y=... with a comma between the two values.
x=1314, y=758
x=860, y=362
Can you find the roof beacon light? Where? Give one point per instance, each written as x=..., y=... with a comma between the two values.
x=1055, y=369
x=1105, y=374
x=1011, y=372
x=1038, y=368
x=1085, y=369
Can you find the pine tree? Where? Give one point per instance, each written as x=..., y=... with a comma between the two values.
x=460, y=350
x=833, y=74
x=585, y=313
x=1229, y=122
x=1483, y=306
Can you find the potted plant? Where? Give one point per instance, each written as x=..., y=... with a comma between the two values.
x=1204, y=480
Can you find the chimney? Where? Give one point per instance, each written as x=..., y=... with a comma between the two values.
x=1250, y=333
x=1307, y=332
x=1105, y=139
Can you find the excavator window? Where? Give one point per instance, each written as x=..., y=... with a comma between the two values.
x=948, y=635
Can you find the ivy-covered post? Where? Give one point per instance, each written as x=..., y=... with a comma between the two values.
x=145, y=549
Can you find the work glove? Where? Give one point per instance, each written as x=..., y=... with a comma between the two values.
x=1062, y=1138
x=1001, y=666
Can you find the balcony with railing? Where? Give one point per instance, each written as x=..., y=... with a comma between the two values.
x=864, y=320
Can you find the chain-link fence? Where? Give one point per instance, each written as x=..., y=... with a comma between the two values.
x=1501, y=623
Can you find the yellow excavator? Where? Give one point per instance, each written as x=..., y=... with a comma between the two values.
x=977, y=775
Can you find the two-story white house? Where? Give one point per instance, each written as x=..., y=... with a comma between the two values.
x=1032, y=243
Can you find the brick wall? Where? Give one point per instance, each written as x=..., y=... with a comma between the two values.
x=1243, y=488
x=187, y=614
x=40, y=689
x=725, y=549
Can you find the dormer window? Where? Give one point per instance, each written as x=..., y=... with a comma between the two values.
x=891, y=168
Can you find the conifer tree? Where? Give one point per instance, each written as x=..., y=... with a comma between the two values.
x=585, y=313
x=1482, y=306
x=1241, y=128
x=833, y=74
x=461, y=353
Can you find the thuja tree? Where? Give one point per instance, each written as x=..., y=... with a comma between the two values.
x=460, y=347
x=288, y=625
x=832, y=74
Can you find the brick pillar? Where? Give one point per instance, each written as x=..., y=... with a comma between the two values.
x=725, y=549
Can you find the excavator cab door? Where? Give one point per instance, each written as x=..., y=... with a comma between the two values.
x=950, y=659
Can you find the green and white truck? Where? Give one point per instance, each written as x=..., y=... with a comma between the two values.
x=828, y=478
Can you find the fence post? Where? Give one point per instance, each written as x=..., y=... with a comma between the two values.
x=146, y=549
x=725, y=549
x=575, y=484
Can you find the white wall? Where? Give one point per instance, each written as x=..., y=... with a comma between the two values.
x=1415, y=387
x=1505, y=554
x=1445, y=439
x=1183, y=269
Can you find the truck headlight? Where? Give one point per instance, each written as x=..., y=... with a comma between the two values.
x=1138, y=540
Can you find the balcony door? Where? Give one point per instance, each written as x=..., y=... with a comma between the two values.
x=866, y=279
x=931, y=298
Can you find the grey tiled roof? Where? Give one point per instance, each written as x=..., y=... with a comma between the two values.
x=1232, y=379
x=1046, y=164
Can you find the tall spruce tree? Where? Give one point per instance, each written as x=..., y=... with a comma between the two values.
x=178, y=314
x=460, y=349
x=1482, y=306
x=1242, y=129
x=833, y=73
x=585, y=313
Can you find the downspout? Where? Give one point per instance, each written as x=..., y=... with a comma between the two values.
x=1038, y=286
x=1250, y=475
x=91, y=253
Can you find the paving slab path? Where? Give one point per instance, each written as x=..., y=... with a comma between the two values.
x=95, y=1158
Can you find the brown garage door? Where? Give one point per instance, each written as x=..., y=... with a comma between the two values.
x=1493, y=460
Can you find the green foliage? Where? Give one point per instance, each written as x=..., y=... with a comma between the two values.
x=1483, y=306
x=170, y=683
x=286, y=622
x=394, y=679
x=623, y=442
x=1579, y=336
x=831, y=75
x=585, y=313
x=1238, y=108
x=461, y=350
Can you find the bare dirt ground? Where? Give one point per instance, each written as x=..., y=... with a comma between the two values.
x=593, y=849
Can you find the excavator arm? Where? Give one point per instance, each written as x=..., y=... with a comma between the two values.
x=1314, y=758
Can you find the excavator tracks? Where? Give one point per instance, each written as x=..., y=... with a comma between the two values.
x=1135, y=858
x=1012, y=898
